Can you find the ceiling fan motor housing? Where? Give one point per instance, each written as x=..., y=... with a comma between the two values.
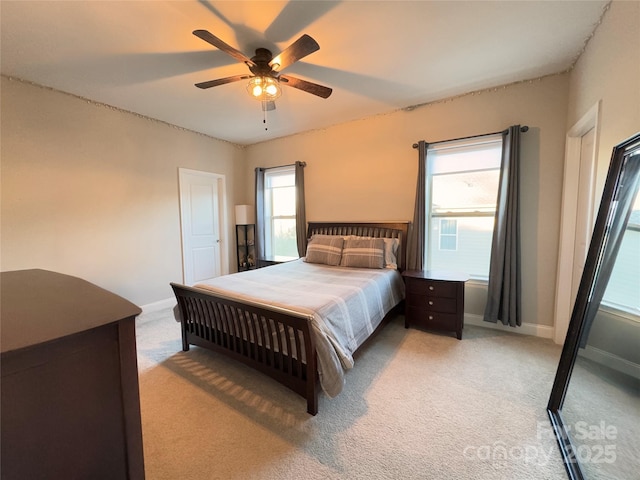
x=261, y=61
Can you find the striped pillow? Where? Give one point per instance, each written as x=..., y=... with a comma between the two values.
x=363, y=252
x=390, y=250
x=325, y=249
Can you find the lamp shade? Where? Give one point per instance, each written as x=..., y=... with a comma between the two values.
x=245, y=215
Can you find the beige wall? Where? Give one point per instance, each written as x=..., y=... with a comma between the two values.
x=366, y=170
x=92, y=191
x=609, y=71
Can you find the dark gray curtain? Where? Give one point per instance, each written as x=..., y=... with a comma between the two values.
x=416, y=238
x=625, y=198
x=259, y=239
x=301, y=217
x=503, y=295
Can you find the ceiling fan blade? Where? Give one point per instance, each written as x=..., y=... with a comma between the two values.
x=294, y=52
x=267, y=106
x=216, y=42
x=309, y=87
x=221, y=81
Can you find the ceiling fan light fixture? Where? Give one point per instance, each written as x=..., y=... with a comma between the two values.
x=265, y=89
x=264, y=84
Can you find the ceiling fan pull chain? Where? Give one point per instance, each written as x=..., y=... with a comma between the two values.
x=264, y=115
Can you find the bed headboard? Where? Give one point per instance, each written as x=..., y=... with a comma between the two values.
x=397, y=230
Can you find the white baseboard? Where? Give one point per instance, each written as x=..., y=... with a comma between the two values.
x=542, y=331
x=160, y=305
x=610, y=360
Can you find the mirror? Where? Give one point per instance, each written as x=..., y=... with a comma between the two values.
x=594, y=405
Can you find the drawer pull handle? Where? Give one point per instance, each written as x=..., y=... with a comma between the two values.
x=430, y=302
x=430, y=317
x=430, y=287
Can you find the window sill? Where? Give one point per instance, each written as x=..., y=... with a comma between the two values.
x=621, y=312
x=475, y=281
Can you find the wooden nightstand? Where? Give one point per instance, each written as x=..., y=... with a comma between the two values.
x=435, y=299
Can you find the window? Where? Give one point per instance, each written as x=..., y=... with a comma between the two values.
x=623, y=289
x=280, y=214
x=448, y=234
x=462, y=189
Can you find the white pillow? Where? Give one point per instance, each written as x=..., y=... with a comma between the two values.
x=391, y=252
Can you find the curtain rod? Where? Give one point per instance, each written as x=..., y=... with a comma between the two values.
x=304, y=164
x=523, y=129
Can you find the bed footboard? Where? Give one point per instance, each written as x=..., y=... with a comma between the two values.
x=276, y=342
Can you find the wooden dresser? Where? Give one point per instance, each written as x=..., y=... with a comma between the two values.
x=70, y=397
x=435, y=299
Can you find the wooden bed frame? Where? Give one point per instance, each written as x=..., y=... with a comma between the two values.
x=269, y=338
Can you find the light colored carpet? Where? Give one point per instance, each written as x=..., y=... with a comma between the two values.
x=417, y=405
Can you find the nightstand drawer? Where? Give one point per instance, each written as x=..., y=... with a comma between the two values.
x=437, y=320
x=434, y=304
x=431, y=288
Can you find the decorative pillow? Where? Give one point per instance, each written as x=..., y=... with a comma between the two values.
x=363, y=252
x=325, y=249
x=390, y=250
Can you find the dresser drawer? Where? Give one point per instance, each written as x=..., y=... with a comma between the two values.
x=431, y=288
x=433, y=304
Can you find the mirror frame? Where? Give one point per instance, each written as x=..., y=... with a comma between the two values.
x=577, y=323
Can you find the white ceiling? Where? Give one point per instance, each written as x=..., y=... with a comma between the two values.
x=380, y=56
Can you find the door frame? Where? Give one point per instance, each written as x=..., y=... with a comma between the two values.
x=563, y=301
x=222, y=217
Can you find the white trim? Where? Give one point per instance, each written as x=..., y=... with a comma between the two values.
x=542, y=331
x=566, y=245
x=159, y=305
x=610, y=360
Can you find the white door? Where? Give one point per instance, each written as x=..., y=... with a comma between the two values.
x=201, y=223
x=584, y=217
x=578, y=203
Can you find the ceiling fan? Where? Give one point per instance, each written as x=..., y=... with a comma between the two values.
x=264, y=83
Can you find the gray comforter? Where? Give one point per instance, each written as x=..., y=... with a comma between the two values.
x=347, y=304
